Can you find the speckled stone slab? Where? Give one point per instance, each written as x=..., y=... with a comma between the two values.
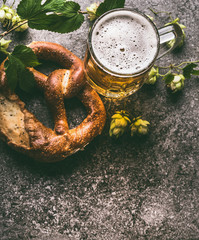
x=133, y=188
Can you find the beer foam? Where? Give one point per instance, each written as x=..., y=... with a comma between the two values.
x=124, y=42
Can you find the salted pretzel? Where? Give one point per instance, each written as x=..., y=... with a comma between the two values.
x=20, y=128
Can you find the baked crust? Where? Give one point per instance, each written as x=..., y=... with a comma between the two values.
x=22, y=130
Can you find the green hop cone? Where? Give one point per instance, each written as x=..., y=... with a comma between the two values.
x=172, y=42
x=119, y=124
x=22, y=28
x=139, y=127
x=6, y=14
x=15, y=19
x=8, y=11
x=4, y=44
x=2, y=15
x=9, y=18
x=91, y=10
x=153, y=75
x=177, y=83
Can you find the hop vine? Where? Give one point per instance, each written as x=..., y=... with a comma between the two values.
x=176, y=74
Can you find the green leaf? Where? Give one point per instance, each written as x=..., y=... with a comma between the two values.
x=70, y=9
x=40, y=22
x=70, y=24
x=28, y=9
x=11, y=72
x=55, y=23
x=168, y=78
x=25, y=55
x=17, y=73
x=53, y=5
x=31, y=8
x=195, y=72
x=54, y=15
x=26, y=81
x=109, y=5
x=188, y=69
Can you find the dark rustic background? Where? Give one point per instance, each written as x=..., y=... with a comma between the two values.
x=144, y=188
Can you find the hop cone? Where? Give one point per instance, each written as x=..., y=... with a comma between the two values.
x=172, y=42
x=119, y=124
x=139, y=127
x=177, y=83
x=4, y=44
x=9, y=18
x=91, y=10
x=153, y=75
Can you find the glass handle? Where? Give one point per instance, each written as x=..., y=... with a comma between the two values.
x=168, y=33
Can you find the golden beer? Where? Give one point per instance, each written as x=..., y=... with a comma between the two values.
x=111, y=85
x=123, y=45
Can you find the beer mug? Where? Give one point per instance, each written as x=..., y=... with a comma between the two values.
x=122, y=47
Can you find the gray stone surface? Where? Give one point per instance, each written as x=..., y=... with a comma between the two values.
x=133, y=188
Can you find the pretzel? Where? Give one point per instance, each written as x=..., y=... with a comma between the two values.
x=25, y=133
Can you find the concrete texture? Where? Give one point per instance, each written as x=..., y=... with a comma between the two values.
x=134, y=188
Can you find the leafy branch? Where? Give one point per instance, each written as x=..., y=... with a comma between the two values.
x=53, y=15
x=57, y=15
x=16, y=69
x=21, y=23
x=176, y=75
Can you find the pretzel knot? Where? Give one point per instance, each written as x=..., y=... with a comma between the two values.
x=20, y=128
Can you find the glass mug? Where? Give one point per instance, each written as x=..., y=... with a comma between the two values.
x=122, y=47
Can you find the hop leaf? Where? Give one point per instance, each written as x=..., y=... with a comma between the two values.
x=153, y=75
x=16, y=71
x=108, y=5
x=168, y=77
x=189, y=69
x=54, y=15
x=119, y=124
x=139, y=127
